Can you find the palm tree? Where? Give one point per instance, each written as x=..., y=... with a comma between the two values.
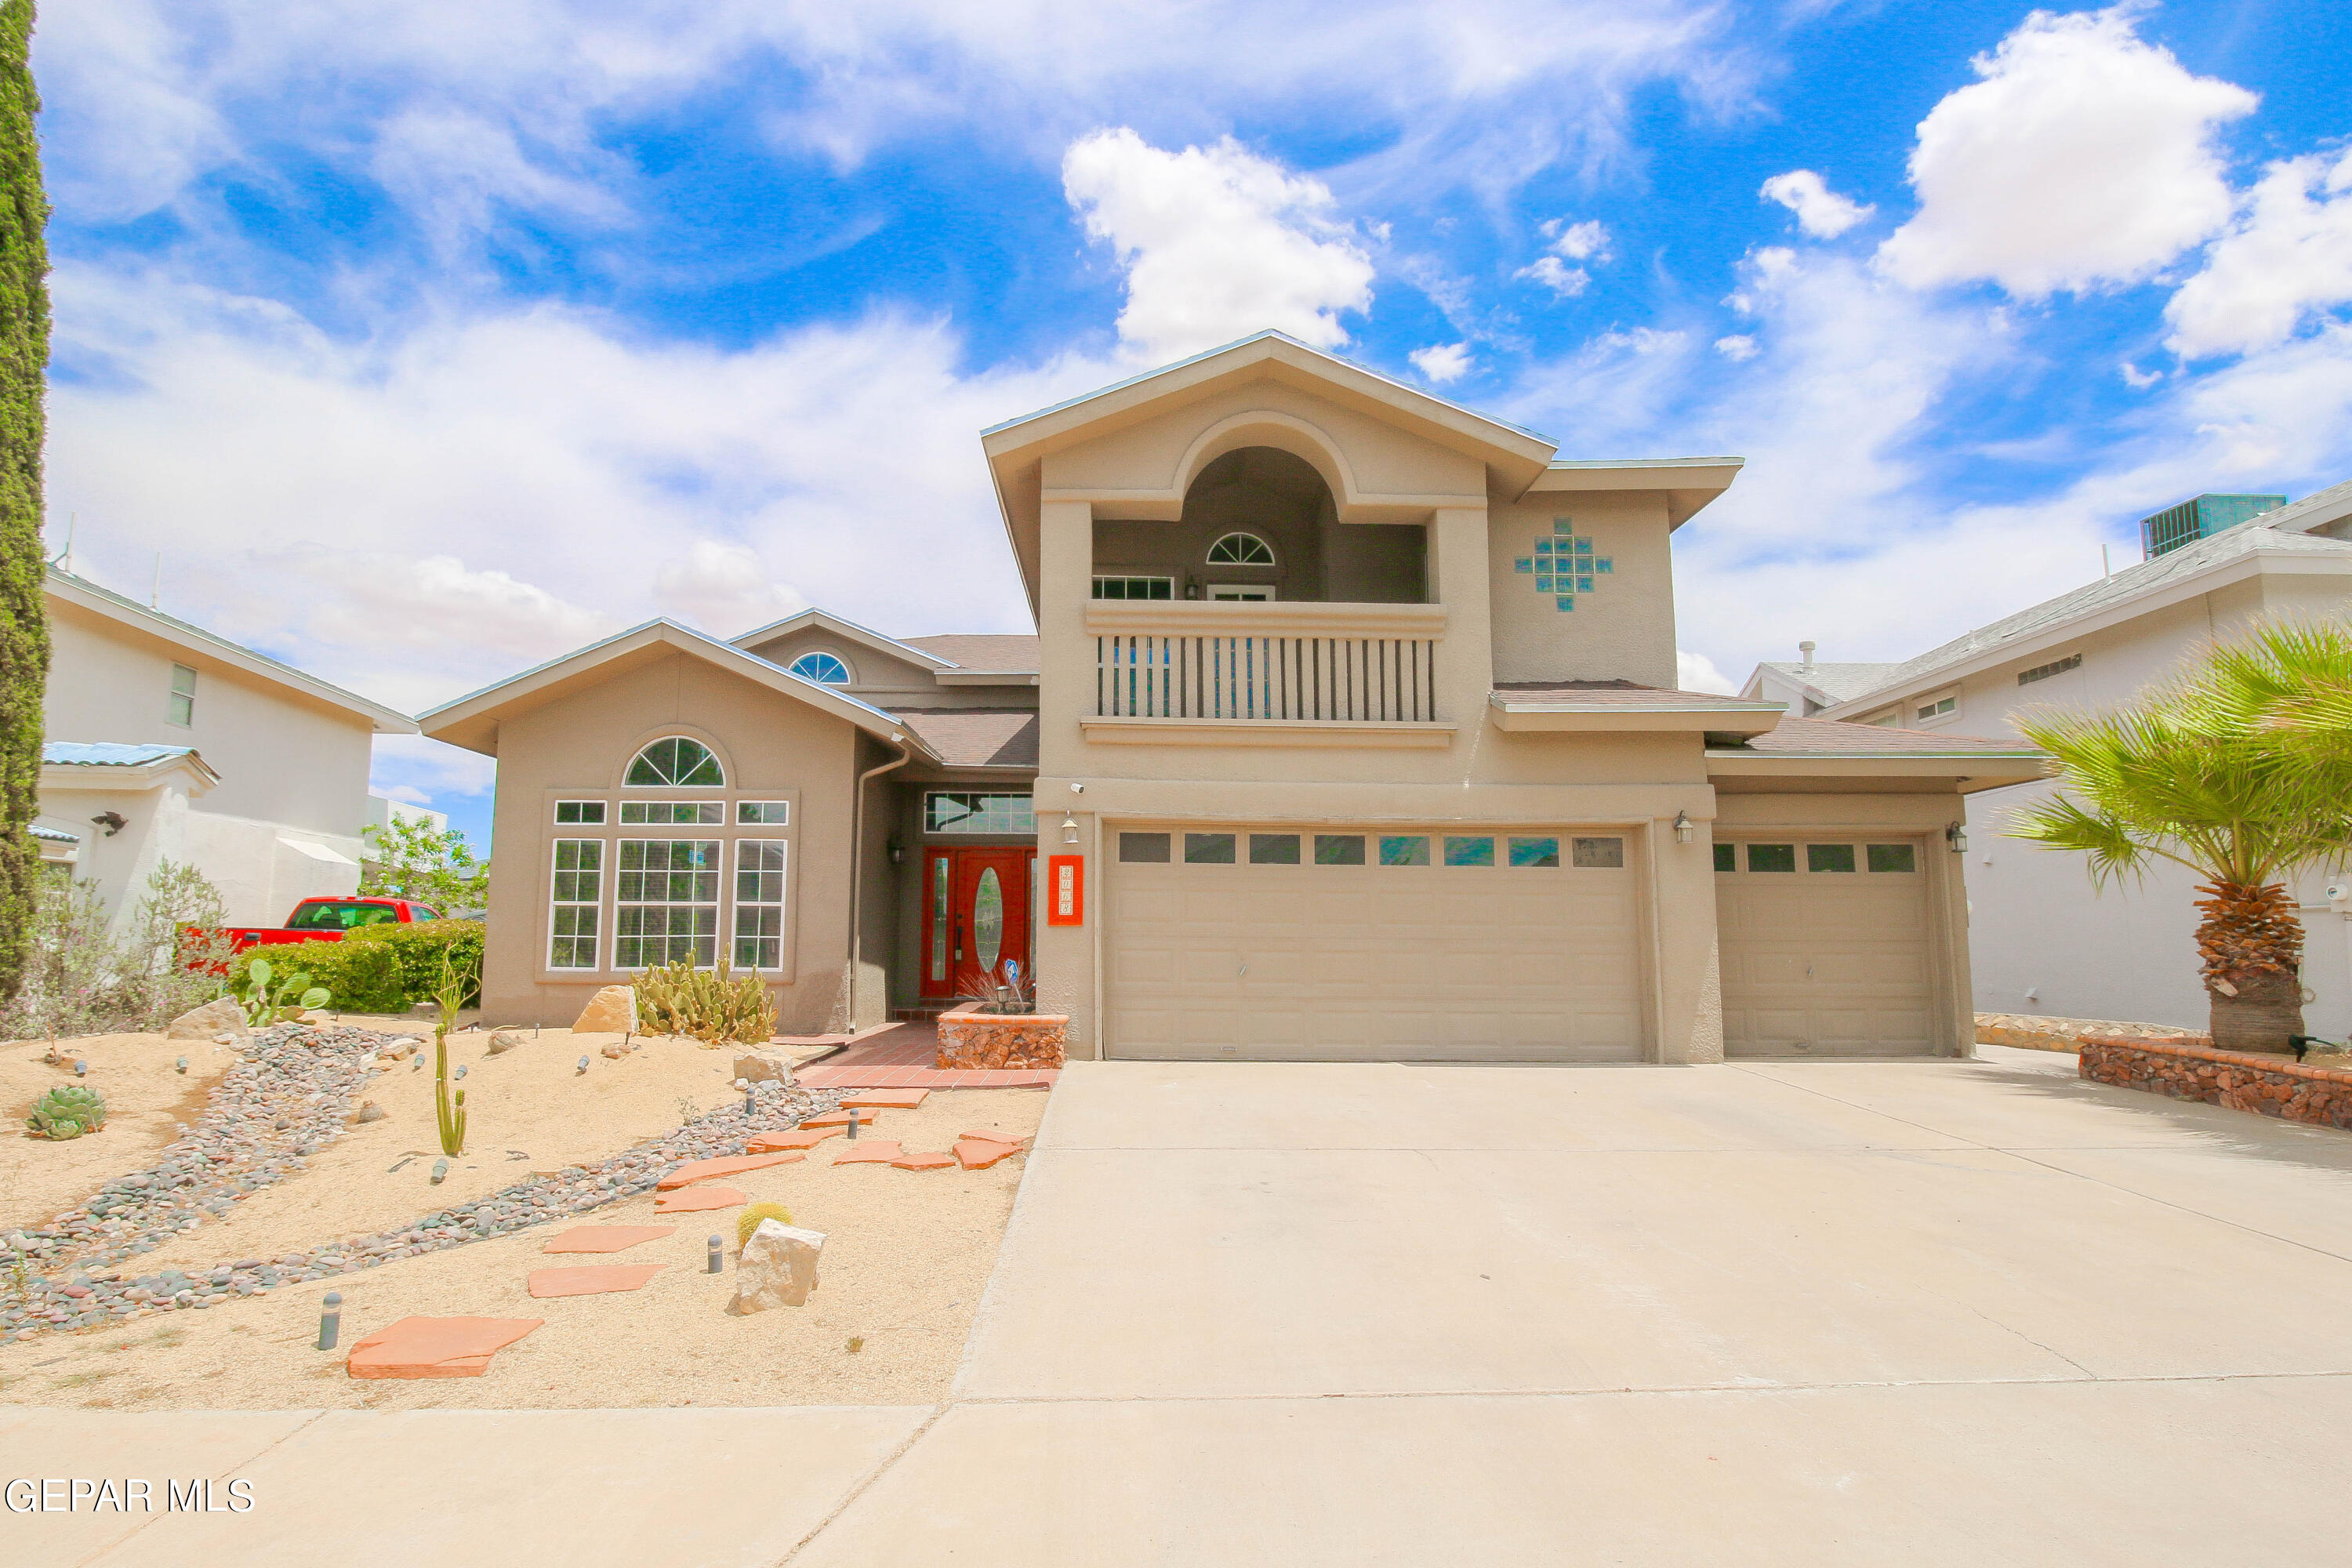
x=2230, y=773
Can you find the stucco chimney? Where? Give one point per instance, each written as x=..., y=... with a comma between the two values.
x=1806, y=649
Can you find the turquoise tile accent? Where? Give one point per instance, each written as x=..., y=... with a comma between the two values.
x=1523, y=565
x=1584, y=546
x=1563, y=565
x=1564, y=602
x=1604, y=564
x=1584, y=585
x=1543, y=585
x=1562, y=525
x=1543, y=546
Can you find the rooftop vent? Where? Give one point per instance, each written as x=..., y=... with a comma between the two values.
x=2201, y=518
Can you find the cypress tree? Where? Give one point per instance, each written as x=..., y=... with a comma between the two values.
x=24, y=359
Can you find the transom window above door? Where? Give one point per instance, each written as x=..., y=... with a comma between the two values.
x=826, y=669
x=961, y=811
x=1241, y=549
x=676, y=763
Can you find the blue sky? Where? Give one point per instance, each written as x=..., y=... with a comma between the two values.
x=423, y=343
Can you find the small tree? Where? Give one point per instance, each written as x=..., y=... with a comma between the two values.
x=2203, y=774
x=411, y=859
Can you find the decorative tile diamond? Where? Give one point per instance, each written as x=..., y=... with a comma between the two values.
x=1564, y=564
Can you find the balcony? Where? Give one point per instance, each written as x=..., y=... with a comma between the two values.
x=1281, y=673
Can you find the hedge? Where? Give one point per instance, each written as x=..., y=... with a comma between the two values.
x=24, y=626
x=391, y=968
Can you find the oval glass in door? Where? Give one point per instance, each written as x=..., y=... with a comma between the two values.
x=988, y=922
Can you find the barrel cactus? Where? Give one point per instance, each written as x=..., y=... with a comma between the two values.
x=749, y=1220
x=68, y=1111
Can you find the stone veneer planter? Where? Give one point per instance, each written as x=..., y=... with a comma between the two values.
x=2268, y=1085
x=970, y=1039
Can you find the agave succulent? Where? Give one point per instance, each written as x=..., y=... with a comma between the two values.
x=69, y=1111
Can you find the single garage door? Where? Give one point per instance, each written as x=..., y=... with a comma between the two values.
x=1323, y=945
x=1824, y=945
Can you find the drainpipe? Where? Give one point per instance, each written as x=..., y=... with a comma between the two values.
x=856, y=882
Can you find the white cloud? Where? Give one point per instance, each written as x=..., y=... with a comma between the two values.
x=1737, y=347
x=2138, y=380
x=1586, y=241
x=1557, y=276
x=724, y=589
x=1697, y=672
x=2289, y=255
x=1821, y=212
x=1442, y=363
x=2085, y=157
x=1218, y=243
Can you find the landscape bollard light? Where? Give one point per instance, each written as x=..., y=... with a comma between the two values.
x=81, y=1068
x=583, y=1065
x=330, y=1322
x=718, y=1256
x=440, y=1169
x=853, y=1124
x=181, y=1064
x=460, y=1073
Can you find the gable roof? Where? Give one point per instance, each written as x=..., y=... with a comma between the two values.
x=472, y=721
x=848, y=631
x=106, y=602
x=117, y=764
x=2181, y=573
x=1010, y=653
x=1827, y=683
x=979, y=737
x=2316, y=510
x=1836, y=748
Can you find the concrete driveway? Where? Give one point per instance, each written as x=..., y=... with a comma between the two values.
x=1926, y=1314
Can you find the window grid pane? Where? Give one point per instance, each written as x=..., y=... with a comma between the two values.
x=961, y=811
x=673, y=813
x=576, y=899
x=666, y=899
x=759, y=903
x=584, y=813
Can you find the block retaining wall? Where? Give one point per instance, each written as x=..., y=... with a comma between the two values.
x=2268, y=1085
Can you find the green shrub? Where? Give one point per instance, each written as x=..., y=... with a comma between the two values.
x=709, y=1004
x=363, y=977
x=416, y=952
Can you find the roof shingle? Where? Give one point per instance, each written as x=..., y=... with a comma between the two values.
x=978, y=737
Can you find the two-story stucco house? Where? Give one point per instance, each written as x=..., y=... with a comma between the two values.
x=166, y=741
x=2042, y=941
x=1350, y=732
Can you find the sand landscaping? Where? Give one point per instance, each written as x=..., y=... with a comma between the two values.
x=906, y=1255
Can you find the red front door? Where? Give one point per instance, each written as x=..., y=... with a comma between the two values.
x=975, y=918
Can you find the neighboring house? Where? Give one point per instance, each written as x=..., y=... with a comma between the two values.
x=166, y=741
x=2039, y=938
x=1349, y=733
x=1806, y=688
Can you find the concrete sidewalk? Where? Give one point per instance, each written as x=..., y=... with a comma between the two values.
x=1923, y=1313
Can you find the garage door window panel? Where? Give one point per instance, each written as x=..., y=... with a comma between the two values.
x=1144, y=848
x=1208, y=849
x=1597, y=854
x=1772, y=858
x=1469, y=851
x=1273, y=849
x=1403, y=849
x=1829, y=857
x=1535, y=852
x=1893, y=857
x=1338, y=850
x=1727, y=856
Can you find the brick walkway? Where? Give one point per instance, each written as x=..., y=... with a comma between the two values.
x=901, y=1057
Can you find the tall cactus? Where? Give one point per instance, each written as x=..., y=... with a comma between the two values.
x=457, y=982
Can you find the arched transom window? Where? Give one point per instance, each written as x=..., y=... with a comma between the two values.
x=1241, y=549
x=675, y=763
x=824, y=668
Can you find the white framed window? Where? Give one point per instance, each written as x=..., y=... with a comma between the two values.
x=1125, y=587
x=967, y=811
x=1244, y=591
x=575, y=901
x=180, y=706
x=1938, y=705
x=766, y=813
x=582, y=813
x=760, y=903
x=672, y=813
x=676, y=762
x=1241, y=549
x=665, y=902
x=826, y=669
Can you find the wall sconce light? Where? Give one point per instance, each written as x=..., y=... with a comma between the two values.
x=1069, y=829
x=897, y=850
x=1682, y=827
x=1957, y=836
x=113, y=822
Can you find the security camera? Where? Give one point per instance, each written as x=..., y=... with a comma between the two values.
x=2340, y=892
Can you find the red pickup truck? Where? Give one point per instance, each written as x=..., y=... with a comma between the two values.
x=326, y=919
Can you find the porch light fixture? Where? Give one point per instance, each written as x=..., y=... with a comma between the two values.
x=1682, y=827
x=896, y=850
x=1069, y=828
x=113, y=822
x=1957, y=836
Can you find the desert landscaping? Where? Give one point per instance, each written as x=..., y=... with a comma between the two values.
x=230, y=1315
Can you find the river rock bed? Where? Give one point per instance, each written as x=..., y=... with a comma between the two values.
x=290, y=1096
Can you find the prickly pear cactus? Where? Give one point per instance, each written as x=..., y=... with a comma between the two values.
x=68, y=1111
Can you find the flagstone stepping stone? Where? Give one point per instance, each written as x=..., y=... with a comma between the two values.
x=435, y=1347
x=886, y=1100
x=976, y=1151
x=837, y=1119
x=800, y=1138
x=601, y=1280
x=608, y=1237
x=870, y=1152
x=692, y=1200
x=727, y=1165
x=924, y=1161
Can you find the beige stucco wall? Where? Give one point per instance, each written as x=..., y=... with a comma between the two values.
x=772, y=746
x=1623, y=630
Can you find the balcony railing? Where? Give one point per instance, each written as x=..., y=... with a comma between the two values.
x=1296, y=663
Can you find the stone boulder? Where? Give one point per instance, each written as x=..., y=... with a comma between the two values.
x=219, y=1016
x=776, y=1269
x=612, y=1011
x=765, y=1064
x=505, y=1040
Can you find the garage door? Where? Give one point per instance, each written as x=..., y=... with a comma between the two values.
x=1388, y=945
x=1824, y=947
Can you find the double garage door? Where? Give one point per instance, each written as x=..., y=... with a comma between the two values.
x=1825, y=947
x=1304, y=944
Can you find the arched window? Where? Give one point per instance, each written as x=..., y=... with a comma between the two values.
x=1241, y=549
x=824, y=668
x=676, y=763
